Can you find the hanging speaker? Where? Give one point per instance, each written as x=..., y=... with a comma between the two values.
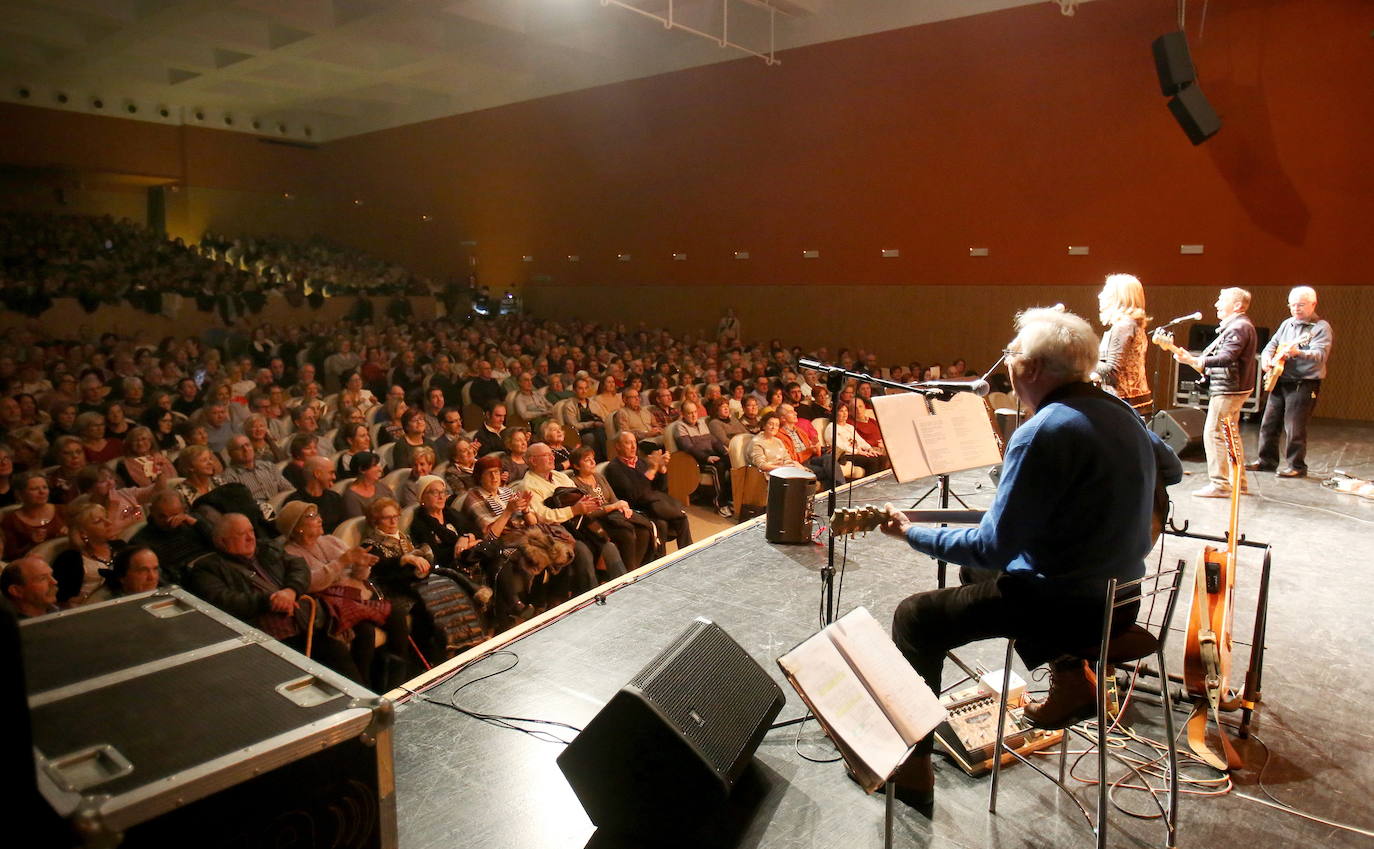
x=1194, y=114
x=1173, y=63
x=666, y=751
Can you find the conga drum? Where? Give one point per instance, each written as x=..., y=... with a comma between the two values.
x=789, y=505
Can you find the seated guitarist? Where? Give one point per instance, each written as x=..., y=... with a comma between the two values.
x=1306, y=341
x=1072, y=511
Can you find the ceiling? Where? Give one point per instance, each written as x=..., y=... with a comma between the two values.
x=314, y=70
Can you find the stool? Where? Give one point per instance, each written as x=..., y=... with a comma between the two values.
x=1132, y=644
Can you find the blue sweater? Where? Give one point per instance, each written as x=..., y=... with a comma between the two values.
x=1075, y=495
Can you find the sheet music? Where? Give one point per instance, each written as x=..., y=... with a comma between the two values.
x=958, y=436
x=901, y=694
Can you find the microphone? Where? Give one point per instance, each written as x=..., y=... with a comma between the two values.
x=978, y=387
x=1192, y=316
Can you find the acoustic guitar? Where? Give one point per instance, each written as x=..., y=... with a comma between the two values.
x=1281, y=355
x=1207, y=651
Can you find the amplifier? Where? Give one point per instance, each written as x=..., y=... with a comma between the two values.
x=159, y=720
x=666, y=751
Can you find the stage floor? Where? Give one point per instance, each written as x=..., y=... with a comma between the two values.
x=462, y=782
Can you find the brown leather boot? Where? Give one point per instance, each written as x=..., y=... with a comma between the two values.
x=1072, y=697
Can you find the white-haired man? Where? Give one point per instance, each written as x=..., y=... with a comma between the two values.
x=1072, y=511
x=1302, y=347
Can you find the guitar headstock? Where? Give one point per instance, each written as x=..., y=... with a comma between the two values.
x=1160, y=336
x=856, y=520
x=1231, y=435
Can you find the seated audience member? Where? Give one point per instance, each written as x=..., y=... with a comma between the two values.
x=355, y=396
x=133, y=570
x=768, y=451
x=489, y=436
x=750, y=417
x=318, y=490
x=258, y=474
x=196, y=463
x=366, y=486
x=339, y=577
x=172, y=533
x=421, y=465
x=393, y=411
x=94, y=441
x=854, y=450
x=262, y=585
x=581, y=419
x=632, y=533
x=143, y=462
x=551, y=434
x=452, y=537
x=460, y=475
x=93, y=546
x=485, y=388
x=302, y=447
x=866, y=425
x=306, y=419
x=513, y=463
x=663, y=412
x=818, y=407
x=265, y=445
x=71, y=459
x=187, y=399
x=531, y=404
x=694, y=437
x=356, y=440
x=607, y=399
x=640, y=480
x=412, y=438
x=434, y=410
x=35, y=521
x=450, y=430
x=803, y=444
x=775, y=400
x=218, y=427
x=592, y=543
x=724, y=425
x=63, y=421
x=30, y=588
x=558, y=390
x=123, y=505
x=7, y=493
x=633, y=417
x=117, y=423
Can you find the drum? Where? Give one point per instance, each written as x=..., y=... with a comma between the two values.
x=789, y=505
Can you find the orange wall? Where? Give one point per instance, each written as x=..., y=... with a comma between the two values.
x=1023, y=131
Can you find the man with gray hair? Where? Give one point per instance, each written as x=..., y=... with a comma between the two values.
x=1229, y=364
x=1300, y=348
x=1073, y=510
x=259, y=583
x=259, y=475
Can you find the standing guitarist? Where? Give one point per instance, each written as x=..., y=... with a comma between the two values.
x=1299, y=351
x=1229, y=364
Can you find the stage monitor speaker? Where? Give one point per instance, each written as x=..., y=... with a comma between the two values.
x=1173, y=63
x=1194, y=114
x=789, y=500
x=1180, y=428
x=666, y=751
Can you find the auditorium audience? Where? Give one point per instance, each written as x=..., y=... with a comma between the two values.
x=318, y=490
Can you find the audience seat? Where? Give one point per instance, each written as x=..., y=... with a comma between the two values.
x=129, y=532
x=385, y=453
x=48, y=550
x=396, y=479
x=750, y=485
x=350, y=531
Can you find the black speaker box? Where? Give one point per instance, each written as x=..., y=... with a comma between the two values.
x=1180, y=428
x=789, y=502
x=1194, y=114
x=1173, y=63
x=665, y=752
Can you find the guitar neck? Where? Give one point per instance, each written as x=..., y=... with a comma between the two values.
x=945, y=515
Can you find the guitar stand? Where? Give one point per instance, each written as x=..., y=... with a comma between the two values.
x=1250, y=696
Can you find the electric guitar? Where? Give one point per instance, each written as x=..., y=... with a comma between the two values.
x=1207, y=651
x=1281, y=355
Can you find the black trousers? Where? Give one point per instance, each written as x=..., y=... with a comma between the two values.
x=1289, y=409
x=990, y=604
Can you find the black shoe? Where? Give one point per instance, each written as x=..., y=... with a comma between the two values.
x=1072, y=697
x=1259, y=466
x=1291, y=473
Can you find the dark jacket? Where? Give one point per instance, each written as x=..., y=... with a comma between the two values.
x=224, y=581
x=1230, y=360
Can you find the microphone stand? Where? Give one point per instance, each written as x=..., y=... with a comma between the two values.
x=835, y=377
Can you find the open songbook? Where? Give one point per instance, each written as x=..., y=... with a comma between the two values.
x=957, y=435
x=864, y=693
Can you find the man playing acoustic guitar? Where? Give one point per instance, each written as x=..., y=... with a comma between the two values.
x=1298, y=351
x=1073, y=510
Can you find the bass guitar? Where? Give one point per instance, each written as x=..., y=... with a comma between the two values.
x=1281, y=355
x=1207, y=652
